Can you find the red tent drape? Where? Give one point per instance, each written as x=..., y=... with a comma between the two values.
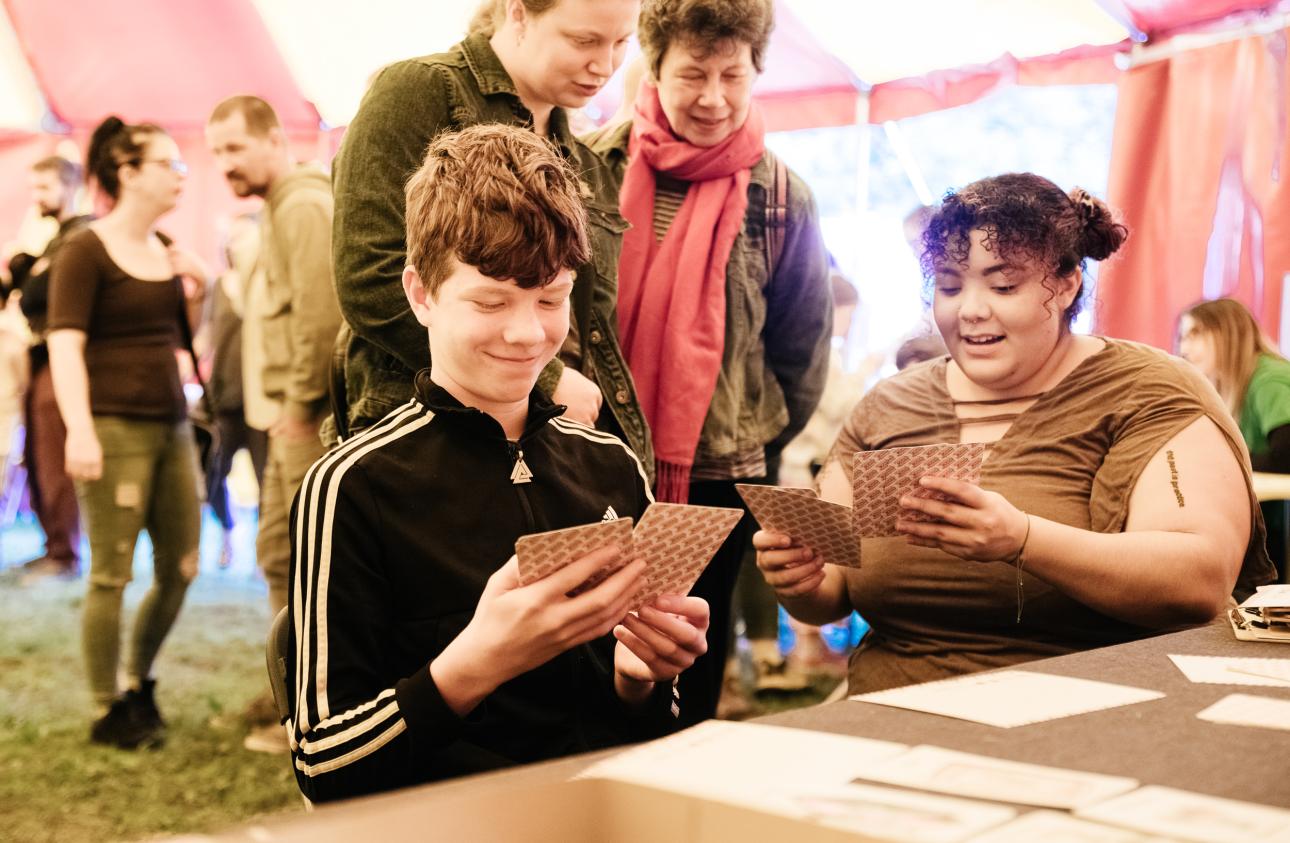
x=1199, y=168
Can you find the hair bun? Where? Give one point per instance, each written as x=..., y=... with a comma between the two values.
x=1100, y=236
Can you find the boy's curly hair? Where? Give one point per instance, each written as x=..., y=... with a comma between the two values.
x=498, y=198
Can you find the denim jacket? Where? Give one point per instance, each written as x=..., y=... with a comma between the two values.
x=778, y=326
x=407, y=105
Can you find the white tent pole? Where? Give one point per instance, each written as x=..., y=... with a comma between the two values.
x=906, y=157
x=1147, y=53
x=863, y=154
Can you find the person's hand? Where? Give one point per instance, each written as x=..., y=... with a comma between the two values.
x=978, y=525
x=516, y=628
x=82, y=455
x=658, y=643
x=293, y=429
x=580, y=395
x=790, y=569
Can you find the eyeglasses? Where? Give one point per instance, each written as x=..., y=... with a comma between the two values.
x=176, y=165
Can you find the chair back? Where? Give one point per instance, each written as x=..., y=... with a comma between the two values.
x=275, y=657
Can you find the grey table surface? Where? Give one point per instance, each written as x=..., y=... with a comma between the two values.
x=1158, y=742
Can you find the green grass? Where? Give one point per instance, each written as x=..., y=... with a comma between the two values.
x=56, y=786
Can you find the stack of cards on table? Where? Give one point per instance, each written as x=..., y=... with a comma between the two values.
x=676, y=541
x=1265, y=616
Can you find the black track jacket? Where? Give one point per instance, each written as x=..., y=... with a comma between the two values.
x=394, y=535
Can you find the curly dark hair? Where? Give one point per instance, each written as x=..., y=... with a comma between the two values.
x=705, y=25
x=1025, y=218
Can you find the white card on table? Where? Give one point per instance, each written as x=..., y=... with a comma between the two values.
x=1234, y=670
x=1010, y=698
x=981, y=777
x=734, y=761
x=1192, y=816
x=1249, y=710
x=1054, y=827
x=888, y=813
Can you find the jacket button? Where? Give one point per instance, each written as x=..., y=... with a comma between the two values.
x=595, y=338
x=621, y=396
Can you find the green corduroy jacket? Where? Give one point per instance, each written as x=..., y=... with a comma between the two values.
x=407, y=105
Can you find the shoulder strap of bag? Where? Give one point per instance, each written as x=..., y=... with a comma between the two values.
x=186, y=332
x=776, y=213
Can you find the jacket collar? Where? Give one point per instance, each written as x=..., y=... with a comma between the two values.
x=438, y=400
x=493, y=80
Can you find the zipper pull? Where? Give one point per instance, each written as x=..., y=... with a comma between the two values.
x=520, y=473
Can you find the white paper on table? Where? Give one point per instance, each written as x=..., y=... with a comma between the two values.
x=981, y=777
x=734, y=762
x=1191, y=816
x=1054, y=827
x=888, y=814
x=1249, y=710
x=1230, y=670
x=1269, y=596
x=1010, y=698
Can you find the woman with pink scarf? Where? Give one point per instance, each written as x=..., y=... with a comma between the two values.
x=723, y=287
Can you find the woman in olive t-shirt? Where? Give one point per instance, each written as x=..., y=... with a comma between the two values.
x=115, y=302
x=1115, y=500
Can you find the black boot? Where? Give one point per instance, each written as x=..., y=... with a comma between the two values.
x=119, y=727
x=143, y=709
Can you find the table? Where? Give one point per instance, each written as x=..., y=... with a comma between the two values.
x=1157, y=742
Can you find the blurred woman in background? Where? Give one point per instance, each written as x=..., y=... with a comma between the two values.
x=117, y=299
x=1222, y=339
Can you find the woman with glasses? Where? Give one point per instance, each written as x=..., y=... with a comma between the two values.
x=116, y=301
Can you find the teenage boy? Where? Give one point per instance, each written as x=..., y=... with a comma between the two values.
x=418, y=655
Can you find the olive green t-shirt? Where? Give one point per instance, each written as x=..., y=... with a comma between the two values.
x=1266, y=405
x=1073, y=457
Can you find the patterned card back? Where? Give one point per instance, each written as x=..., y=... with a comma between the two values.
x=677, y=541
x=823, y=526
x=881, y=478
x=541, y=554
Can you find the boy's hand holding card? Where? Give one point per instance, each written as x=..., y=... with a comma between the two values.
x=823, y=526
x=881, y=478
x=676, y=541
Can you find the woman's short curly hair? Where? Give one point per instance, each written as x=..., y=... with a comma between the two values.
x=1024, y=218
x=704, y=25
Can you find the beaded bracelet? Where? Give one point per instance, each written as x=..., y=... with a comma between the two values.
x=1018, y=562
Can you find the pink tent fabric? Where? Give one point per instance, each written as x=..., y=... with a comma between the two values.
x=170, y=62
x=1157, y=18
x=1199, y=164
x=153, y=60
x=804, y=86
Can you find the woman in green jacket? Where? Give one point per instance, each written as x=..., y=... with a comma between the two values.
x=524, y=63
